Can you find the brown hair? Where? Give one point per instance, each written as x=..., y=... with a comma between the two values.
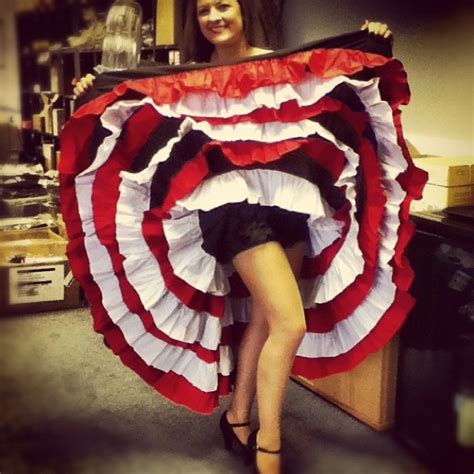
x=195, y=47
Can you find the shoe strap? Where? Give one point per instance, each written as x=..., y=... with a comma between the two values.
x=263, y=450
x=253, y=436
x=237, y=425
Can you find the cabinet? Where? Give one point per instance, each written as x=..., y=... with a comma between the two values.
x=436, y=367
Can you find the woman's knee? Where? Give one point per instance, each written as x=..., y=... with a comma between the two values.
x=288, y=326
x=281, y=318
x=267, y=273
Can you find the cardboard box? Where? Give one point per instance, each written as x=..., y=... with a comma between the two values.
x=23, y=206
x=447, y=171
x=41, y=286
x=31, y=243
x=43, y=220
x=35, y=274
x=440, y=197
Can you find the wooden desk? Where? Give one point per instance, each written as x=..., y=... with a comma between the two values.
x=368, y=391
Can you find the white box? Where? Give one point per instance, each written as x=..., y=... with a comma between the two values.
x=447, y=171
x=35, y=284
x=440, y=197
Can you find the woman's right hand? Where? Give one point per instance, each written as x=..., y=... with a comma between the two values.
x=82, y=85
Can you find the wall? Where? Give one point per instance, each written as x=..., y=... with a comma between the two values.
x=436, y=47
x=10, y=111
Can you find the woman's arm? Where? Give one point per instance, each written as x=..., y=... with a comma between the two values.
x=83, y=85
x=376, y=28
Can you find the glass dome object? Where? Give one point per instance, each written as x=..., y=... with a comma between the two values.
x=122, y=43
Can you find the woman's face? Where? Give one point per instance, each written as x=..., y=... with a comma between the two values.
x=220, y=21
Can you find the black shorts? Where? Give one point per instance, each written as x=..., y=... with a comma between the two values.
x=235, y=227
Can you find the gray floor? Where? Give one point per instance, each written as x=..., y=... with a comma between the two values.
x=69, y=406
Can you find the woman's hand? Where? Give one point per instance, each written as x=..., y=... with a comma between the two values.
x=376, y=28
x=82, y=85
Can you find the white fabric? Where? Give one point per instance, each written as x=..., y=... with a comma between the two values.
x=392, y=163
x=348, y=333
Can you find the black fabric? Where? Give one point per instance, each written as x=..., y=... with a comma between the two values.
x=98, y=136
x=183, y=151
x=165, y=131
x=345, y=93
x=233, y=228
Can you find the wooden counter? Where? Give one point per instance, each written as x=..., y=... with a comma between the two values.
x=368, y=391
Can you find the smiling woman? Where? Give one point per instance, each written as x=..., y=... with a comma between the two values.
x=225, y=28
x=221, y=22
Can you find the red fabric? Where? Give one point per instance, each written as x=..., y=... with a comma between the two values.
x=104, y=201
x=236, y=81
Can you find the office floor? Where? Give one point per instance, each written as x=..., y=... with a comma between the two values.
x=68, y=405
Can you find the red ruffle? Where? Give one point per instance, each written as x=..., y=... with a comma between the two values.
x=238, y=80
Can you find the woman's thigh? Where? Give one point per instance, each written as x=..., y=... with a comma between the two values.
x=268, y=273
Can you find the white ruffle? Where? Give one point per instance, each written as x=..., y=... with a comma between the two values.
x=392, y=163
x=269, y=132
x=344, y=269
x=348, y=333
x=151, y=350
x=260, y=186
x=169, y=313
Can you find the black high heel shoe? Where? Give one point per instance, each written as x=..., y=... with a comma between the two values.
x=229, y=437
x=253, y=447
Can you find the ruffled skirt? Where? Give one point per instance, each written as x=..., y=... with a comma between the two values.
x=159, y=174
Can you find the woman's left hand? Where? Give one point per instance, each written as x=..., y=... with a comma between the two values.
x=376, y=28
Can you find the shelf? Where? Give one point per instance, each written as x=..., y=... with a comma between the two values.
x=48, y=62
x=50, y=94
x=40, y=133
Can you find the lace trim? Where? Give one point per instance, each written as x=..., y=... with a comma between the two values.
x=256, y=231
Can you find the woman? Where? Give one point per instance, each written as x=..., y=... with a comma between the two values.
x=217, y=32
x=277, y=323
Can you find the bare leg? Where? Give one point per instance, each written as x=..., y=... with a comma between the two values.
x=268, y=275
x=250, y=347
x=243, y=396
